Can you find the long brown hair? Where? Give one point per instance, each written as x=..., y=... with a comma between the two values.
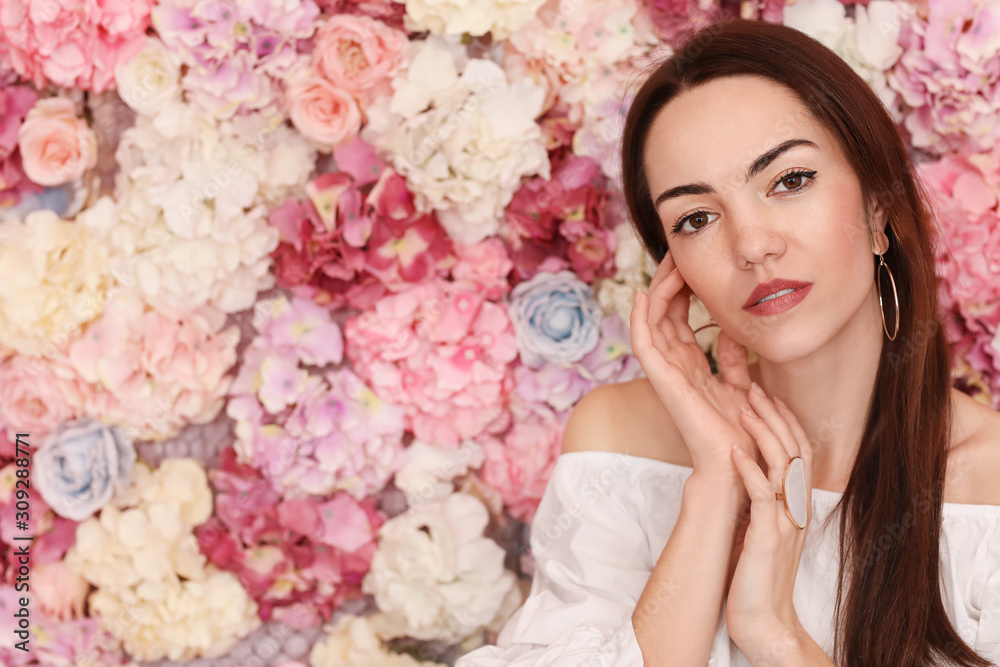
x=889, y=609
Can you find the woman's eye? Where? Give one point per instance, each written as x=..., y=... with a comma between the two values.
x=796, y=180
x=698, y=220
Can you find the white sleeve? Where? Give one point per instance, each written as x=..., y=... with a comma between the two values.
x=987, y=642
x=592, y=561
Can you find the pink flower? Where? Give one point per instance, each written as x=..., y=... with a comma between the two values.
x=521, y=465
x=949, y=76
x=322, y=112
x=442, y=351
x=56, y=146
x=61, y=592
x=30, y=397
x=485, y=264
x=355, y=53
x=72, y=44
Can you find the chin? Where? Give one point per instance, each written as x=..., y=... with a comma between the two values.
x=784, y=346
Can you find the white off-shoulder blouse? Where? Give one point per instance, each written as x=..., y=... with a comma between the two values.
x=604, y=519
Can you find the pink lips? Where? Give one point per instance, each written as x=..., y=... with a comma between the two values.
x=779, y=304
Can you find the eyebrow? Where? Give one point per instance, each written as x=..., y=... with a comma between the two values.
x=758, y=165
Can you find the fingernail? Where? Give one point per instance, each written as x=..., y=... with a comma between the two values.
x=637, y=293
x=747, y=411
x=739, y=451
x=756, y=388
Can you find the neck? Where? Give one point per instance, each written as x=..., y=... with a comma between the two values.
x=830, y=391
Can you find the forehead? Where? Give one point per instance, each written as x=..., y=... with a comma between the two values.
x=714, y=131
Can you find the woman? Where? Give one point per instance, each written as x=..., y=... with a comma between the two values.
x=769, y=180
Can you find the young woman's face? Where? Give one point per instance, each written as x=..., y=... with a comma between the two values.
x=800, y=216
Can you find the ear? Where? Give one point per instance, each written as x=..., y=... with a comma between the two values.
x=878, y=218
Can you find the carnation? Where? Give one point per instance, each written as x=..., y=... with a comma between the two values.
x=57, y=275
x=461, y=134
x=435, y=577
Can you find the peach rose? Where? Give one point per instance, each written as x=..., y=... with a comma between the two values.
x=323, y=112
x=56, y=146
x=357, y=52
x=30, y=398
x=61, y=592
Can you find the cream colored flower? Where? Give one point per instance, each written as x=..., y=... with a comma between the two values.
x=475, y=17
x=55, y=279
x=150, y=79
x=461, y=134
x=353, y=642
x=434, y=575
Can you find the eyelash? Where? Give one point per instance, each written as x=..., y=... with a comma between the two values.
x=811, y=175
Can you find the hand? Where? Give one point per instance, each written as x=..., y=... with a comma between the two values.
x=759, y=600
x=706, y=408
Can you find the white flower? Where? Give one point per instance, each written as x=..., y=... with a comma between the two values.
x=461, y=135
x=190, y=220
x=434, y=576
x=869, y=43
x=55, y=279
x=429, y=469
x=153, y=588
x=475, y=17
x=150, y=79
x=352, y=642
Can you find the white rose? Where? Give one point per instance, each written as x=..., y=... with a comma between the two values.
x=151, y=79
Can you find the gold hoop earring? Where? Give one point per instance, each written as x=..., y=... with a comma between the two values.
x=895, y=296
x=705, y=326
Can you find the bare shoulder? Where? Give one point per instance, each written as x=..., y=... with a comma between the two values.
x=625, y=418
x=974, y=458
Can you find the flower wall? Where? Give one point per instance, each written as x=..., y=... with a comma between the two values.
x=298, y=296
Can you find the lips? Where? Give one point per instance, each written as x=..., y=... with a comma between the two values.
x=770, y=287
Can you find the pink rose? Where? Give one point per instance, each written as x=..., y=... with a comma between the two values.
x=56, y=146
x=60, y=591
x=322, y=112
x=356, y=52
x=30, y=398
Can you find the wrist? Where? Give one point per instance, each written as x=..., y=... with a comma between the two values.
x=715, y=493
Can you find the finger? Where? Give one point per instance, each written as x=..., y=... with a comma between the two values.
x=766, y=410
x=649, y=344
x=775, y=454
x=759, y=488
x=733, y=364
x=799, y=433
x=659, y=302
x=662, y=271
x=679, y=312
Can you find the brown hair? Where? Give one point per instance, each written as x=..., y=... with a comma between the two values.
x=890, y=513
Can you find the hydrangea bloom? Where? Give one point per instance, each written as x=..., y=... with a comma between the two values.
x=341, y=247
x=15, y=102
x=442, y=351
x=190, y=216
x=476, y=18
x=236, y=53
x=868, y=43
x=310, y=433
x=949, y=76
x=352, y=641
x=434, y=575
x=461, y=134
x=150, y=373
x=143, y=558
x=429, y=469
x=72, y=44
x=56, y=277
x=299, y=559
x=560, y=223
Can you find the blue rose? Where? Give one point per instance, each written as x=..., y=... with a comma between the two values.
x=81, y=465
x=556, y=318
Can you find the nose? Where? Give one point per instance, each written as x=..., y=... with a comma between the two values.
x=755, y=238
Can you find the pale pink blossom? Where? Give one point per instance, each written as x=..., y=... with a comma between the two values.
x=355, y=53
x=56, y=146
